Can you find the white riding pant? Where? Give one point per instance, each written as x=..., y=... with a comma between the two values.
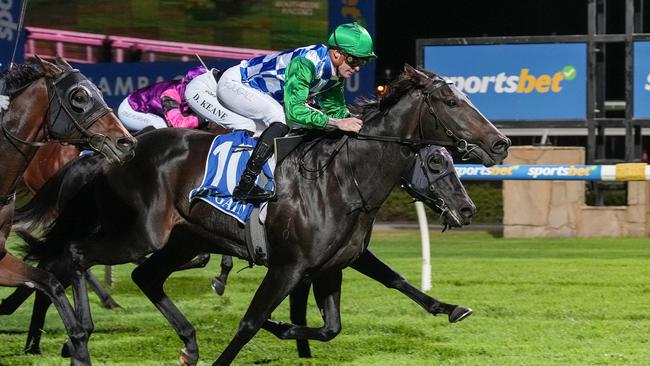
x=235, y=105
x=135, y=121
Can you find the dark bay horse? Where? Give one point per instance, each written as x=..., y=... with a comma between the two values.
x=50, y=102
x=319, y=225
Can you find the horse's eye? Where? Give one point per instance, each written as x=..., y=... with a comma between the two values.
x=451, y=103
x=79, y=100
x=435, y=165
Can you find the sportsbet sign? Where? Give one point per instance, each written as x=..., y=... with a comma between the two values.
x=517, y=81
x=641, y=105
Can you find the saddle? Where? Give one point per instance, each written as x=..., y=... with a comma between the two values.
x=256, y=241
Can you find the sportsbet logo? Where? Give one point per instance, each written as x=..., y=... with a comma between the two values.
x=524, y=83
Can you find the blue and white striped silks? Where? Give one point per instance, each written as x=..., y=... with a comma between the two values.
x=223, y=168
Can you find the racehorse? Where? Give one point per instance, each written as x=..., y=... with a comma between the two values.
x=51, y=103
x=319, y=224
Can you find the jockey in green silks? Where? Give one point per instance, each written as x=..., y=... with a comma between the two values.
x=271, y=93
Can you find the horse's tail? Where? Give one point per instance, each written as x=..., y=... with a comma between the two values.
x=44, y=208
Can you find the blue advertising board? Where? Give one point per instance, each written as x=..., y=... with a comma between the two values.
x=361, y=84
x=517, y=81
x=116, y=80
x=9, y=32
x=641, y=88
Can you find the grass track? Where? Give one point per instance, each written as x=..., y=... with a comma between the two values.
x=536, y=302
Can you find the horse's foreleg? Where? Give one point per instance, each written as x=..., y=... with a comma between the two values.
x=82, y=305
x=298, y=309
x=219, y=283
x=275, y=287
x=374, y=268
x=150, y=277
x=40, y=307
x=104, y=297
x=39, y=310
x=327, y=291
x=12, y=302
x=14, y=272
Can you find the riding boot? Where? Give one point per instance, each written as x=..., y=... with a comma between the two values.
x=247, y=191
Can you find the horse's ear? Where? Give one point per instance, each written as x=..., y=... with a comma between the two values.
x=48, y=67
x=39, y=60
x=409, y=70
x=416, y=74
x=61, y=62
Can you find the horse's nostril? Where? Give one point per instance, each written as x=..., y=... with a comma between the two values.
x=500, y=146
x=467, y=212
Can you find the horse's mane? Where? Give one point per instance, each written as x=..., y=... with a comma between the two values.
x=367, y=109
x=20, y=75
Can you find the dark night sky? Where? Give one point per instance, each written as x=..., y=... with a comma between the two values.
x=400, y=23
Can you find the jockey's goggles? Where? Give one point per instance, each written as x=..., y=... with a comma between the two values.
x=355, y=61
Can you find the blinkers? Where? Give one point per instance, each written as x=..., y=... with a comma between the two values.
x=81, y=101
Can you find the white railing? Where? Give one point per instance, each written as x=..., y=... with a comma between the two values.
x=83, y=47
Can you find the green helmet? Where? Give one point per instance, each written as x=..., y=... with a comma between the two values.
x=352, y=39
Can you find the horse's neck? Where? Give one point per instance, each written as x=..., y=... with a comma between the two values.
x=27, y=125
x=375, y=167
x=401, y=120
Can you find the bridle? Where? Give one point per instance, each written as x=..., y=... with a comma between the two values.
x=76, y=118
x=79, y=119
x=460, y=144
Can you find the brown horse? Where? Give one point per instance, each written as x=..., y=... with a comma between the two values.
x=50, y=103
x=46, y=162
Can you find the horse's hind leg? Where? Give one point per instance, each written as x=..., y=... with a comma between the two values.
x=199, y=261
x=327, y=291
x=275, y=287
x=298, y=309
x=14, y=272
x=104, y=297
x=11, y=303
x=374, y=268
x=150, y=276
x=219, y=283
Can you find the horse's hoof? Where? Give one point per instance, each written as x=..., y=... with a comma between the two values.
x=32, y=350
x=459, y=313
x=184, y=359
x=110, y=304
x=218, y=286
x=66, y=350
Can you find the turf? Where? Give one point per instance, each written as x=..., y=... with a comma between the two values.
x=536, y=302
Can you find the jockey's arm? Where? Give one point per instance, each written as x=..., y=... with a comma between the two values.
x=171, y=102
x=298, y=77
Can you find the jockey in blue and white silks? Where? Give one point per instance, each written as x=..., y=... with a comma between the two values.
x=266, y=73
x=271, y=91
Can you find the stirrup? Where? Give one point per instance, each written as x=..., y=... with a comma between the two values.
x=255, y=196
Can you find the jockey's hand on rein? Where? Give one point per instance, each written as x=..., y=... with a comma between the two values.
x=351, y=124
